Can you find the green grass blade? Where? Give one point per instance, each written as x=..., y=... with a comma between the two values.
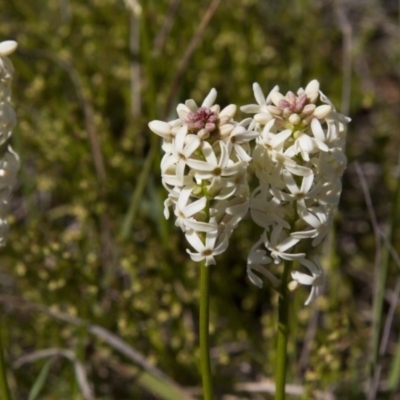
x=40, y=380
x=394, y=373
x=4, y=389
x=162, y=389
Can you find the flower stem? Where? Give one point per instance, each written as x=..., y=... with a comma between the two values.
x=283, y=332
x=204, y=331
x=4, y=390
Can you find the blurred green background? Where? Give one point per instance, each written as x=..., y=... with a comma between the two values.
x=87, y=235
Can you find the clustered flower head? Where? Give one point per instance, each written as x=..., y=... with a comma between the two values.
x=9, y=162
x=204, y=171
x=299, y=160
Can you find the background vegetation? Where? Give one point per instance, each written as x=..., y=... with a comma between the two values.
x=90, y=261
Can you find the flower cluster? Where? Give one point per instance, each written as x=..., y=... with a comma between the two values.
x=299, y=160
x=204, y=171
x=9, y=162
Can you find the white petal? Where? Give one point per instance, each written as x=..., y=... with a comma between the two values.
x=299, y=170
x=195, y=256
x=200, y=226
x=307, y=183
x=250, y=109
x=221, y=246
x=192, y=146
x=287, y=244
x=200, y=166
x=313, y=295
x=258, y=257
x=228, y=111
x=290, y=182
x=195, y=207
x=180, y=171
x=323, y=111
x=224, y=156
x=263, y=118
x=258, y=94
x=7, y=47
x=311, y=219
x=280, y=138
x=312, y=86
x=304, y=279
x=314, y=267
x=195, y=241
x=183, y=198
x=304, y=234
x=234, y=169
x=276, y=97
x=317, y=130
x=180, y=138
x=210, y=99
x=211, y=238
x=167, y=161
x=275, y=282
x=191, y=105
x=210, y=261
x=274, y=89
x=208, y=152
x=254, y=279
x=242, y=153
x=160, y=128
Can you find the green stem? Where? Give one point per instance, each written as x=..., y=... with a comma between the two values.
x=283, y=332
x=4, y=390
x=204, y=331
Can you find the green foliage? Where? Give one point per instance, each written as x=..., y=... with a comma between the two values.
x=65, y=251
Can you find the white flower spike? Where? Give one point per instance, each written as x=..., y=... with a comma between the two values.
x=204, y=170
x=9, y=161
x=299, y=160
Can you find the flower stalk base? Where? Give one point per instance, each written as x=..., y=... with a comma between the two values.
x=283, y=332
x=204, y=332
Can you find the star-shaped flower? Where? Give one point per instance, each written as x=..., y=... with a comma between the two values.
x=316, y=279
x=214, y=244
x=263, y=116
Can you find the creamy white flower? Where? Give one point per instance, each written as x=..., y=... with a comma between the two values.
x=311, y=90
x=319, y=219
x=8, y=120
x=230, y=213
x=183, y=147
x=267, y=210
x=316, y=279
x=214, y=168
x=171, y=200
x=204, y=170
x=237, y=139
x=255, y=262
x=261, y=109
x=185, y=209
x=331, y=165
x=279, y=243
x=9, y=166
x=7, y=47
x=213, y=246
x=298, y=160
x=207, y=103
x=295, y=193
x=306, y=145
x=9, y=162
